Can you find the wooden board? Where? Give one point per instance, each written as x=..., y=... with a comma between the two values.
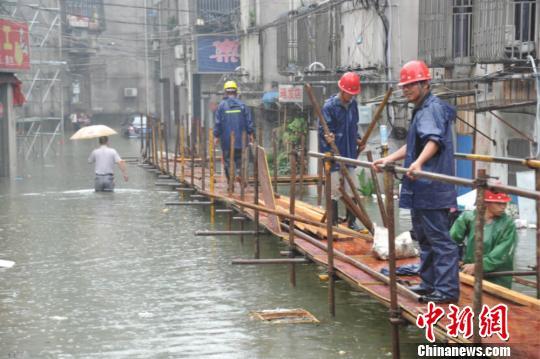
x=267, y=190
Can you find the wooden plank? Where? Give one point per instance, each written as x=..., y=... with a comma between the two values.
x=502, y=292
x=267, y=190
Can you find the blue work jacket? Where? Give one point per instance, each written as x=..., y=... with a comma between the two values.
x=432, y=120
x=342, y=121
x=232, y=115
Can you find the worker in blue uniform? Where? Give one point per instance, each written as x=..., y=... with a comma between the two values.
x=429, y=148
x=232, y=115
x=341, y=115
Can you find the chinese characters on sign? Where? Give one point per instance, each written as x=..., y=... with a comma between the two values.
x=218, y=53
x=291, y=93
x=490, y=322
x=14, y=45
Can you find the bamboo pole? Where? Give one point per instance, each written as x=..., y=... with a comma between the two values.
x=283, y=214
x=160, y=136
x=537, y=178
x=176, y=144
x=394, y=307
x=275, y=150
x=302, y=162
x=440, y=177
x=526, y=162
x=154, y=144
x=292, y=203
x=257, y=250
x=211, y=173
x=375, y=119
x=479, y=251
x=319, y=181
x=377, y=190
x=242, y=176
x=166, y=144
x=203, y=159
x=182, y=151
x=232, y=168
x=329, y=234
x=192, y=148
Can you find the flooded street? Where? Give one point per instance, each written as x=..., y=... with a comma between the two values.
x=119, y=276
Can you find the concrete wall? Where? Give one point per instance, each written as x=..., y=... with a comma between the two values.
x=120, y=62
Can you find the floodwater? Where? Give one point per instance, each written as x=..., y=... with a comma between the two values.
x=121, y=276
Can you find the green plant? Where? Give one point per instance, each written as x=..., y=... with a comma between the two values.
x=294, y=130
x=367, y=186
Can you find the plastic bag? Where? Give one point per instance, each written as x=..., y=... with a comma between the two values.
x=405, y=246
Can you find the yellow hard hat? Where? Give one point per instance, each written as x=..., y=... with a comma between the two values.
x=230, y=85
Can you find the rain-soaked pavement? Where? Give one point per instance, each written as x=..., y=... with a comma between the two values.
x=119, y=276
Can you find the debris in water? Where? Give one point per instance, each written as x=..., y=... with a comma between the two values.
x=6, y=264
x=165, y=210
x=285, y=316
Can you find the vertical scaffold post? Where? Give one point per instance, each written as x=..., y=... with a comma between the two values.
x=161, y=149
x=176, y=144
x=257, y=249
x=242, y=179
x=292, y=200
x=481, y=183
x=302, y=164
x=275, y=159
x=192, y=148
x=319, y=181
x=232, y=169
x=211, y=173
x=166, y=145
x=394, y=308
x=182, y=152
x=329, y=232
x=537, y=175
x=203, y=158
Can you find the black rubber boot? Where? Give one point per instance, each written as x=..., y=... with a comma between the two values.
x=335, y=212
x=351, y=221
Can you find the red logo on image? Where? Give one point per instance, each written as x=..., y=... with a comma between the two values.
x=491, y=321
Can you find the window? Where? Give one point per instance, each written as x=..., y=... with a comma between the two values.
x=524, y=20
x=462, y=26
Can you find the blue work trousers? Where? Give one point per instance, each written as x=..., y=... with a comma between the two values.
x=439, y=267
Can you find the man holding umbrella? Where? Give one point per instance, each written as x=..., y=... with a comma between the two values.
x=104, y=158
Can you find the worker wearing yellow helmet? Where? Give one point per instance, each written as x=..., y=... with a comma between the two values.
x=230, y=86
x=232, y=116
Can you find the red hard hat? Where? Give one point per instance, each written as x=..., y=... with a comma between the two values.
x=350, y=83
x=413, y=71
x=496, y=197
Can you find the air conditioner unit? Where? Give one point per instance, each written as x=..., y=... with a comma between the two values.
x=179, y=52
x=130, y=92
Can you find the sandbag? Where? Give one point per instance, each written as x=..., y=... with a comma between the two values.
x=406, y=247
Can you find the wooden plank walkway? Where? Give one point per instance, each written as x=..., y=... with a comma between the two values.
x=523, y=311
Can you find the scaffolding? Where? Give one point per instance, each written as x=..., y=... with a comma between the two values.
x=40, y=122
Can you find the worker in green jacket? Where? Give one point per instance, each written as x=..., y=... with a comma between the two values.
x=500, y=238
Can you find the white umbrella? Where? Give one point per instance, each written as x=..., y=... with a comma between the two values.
x=93, y=131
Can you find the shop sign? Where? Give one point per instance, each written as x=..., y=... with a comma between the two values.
x=291, y=93
x=15, y=47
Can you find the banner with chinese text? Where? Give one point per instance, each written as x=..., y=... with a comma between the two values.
x=14, y=46
x=217, y=53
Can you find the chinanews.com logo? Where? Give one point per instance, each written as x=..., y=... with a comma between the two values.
x=491, y=321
